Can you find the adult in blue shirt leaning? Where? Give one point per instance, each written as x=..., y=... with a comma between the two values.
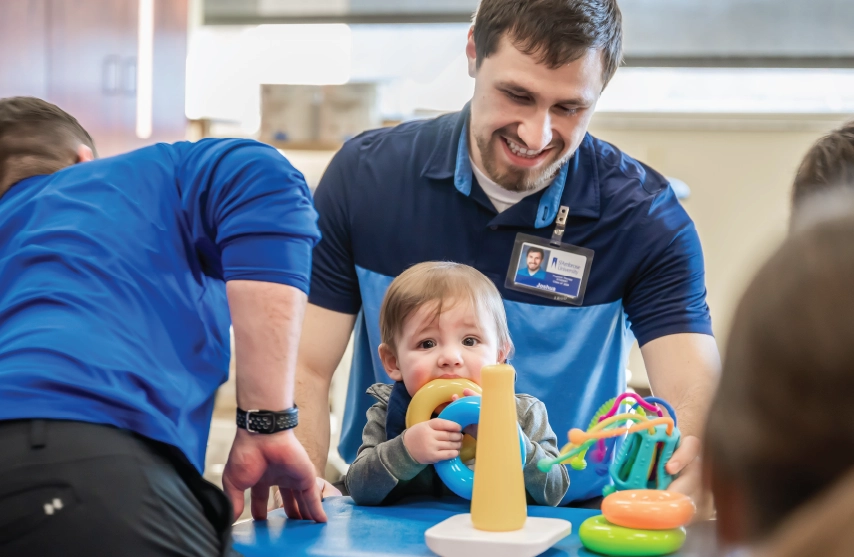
x=515, y=168
x=116, y=281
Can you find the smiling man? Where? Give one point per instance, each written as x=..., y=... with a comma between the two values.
x=515, y=168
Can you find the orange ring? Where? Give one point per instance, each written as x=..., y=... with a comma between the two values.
x=648, y=509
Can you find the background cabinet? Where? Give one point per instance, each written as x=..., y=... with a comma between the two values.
x=82, y=56
x=23, y=48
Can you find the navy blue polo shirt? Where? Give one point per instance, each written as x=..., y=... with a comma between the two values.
x=395, y=197
x=113, y=307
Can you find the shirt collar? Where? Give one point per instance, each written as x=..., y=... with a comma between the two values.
x=442, y=162
x=576, y=183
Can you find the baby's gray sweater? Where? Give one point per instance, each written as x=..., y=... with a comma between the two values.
x=384, y=471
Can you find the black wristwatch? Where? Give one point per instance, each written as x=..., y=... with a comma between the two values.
x=267, y=421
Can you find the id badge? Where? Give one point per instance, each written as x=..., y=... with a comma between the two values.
x=553, y=270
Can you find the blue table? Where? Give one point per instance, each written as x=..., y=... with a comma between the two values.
x=399, y=530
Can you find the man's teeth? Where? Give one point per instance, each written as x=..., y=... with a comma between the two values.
x=520, y=151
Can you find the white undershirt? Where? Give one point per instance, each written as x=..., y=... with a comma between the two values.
x=501, y=198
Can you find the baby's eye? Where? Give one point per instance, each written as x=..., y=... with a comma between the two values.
x=470, y=341
x=426, y=344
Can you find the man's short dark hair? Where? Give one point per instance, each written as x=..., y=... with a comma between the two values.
x=536, y=250
x=557, y=32
x=827, y=165
x=36, y=137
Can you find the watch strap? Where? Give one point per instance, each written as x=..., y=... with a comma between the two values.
x=267, y=421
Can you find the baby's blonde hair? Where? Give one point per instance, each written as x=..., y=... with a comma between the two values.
x=440, y=281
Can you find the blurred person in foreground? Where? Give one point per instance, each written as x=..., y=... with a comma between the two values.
x=779, y=440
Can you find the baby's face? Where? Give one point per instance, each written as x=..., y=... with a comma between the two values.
x=454, y=344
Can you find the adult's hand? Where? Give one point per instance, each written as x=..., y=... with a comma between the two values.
x=325, y=488
x=684, y=369
x=258, y=462
x=686, y=463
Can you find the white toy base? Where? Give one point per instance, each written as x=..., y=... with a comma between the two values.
x=457, y=537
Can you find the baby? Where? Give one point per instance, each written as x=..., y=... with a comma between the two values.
x=440, y=320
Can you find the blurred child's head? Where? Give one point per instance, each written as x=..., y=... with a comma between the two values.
x=820, y=527
x=779, y=431
x=441, y=320
x=829, y=164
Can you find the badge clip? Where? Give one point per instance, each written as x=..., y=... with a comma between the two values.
x=560, y=226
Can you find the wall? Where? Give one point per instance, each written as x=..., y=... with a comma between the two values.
x=740, y=172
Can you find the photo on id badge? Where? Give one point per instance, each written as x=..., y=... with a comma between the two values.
x=552, y=272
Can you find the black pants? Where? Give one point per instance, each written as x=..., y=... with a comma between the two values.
x=74, y=488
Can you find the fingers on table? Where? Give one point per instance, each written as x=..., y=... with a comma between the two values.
x=308, y=505
x=234, y=495
x=290, y=505
x=260, y=497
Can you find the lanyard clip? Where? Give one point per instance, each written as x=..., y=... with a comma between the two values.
x=560, y=226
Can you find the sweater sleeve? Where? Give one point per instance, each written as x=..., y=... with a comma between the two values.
x=545, y=488
x=380, y=463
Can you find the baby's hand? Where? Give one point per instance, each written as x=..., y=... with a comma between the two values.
x=433, y=441
x=472, y=429
x=466, y=392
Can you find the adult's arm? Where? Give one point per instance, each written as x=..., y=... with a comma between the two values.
x=325, y=335
x=334, y=302
x=253, y=225
x=684, y=370
x=666, y=304
x=267, y=318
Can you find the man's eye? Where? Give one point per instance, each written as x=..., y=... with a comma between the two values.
x=427, y=344
x=515, y=97
x=469, y=341
x=568, y=110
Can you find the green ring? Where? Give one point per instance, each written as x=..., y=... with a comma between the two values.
x=599, y=535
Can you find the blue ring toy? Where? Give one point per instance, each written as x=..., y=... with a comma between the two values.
x=456, y=475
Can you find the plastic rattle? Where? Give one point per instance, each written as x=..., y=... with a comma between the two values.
x=434, y=394
x=640, y=463
x=456, y=475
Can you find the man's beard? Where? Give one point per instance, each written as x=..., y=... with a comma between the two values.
x=513, y=178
